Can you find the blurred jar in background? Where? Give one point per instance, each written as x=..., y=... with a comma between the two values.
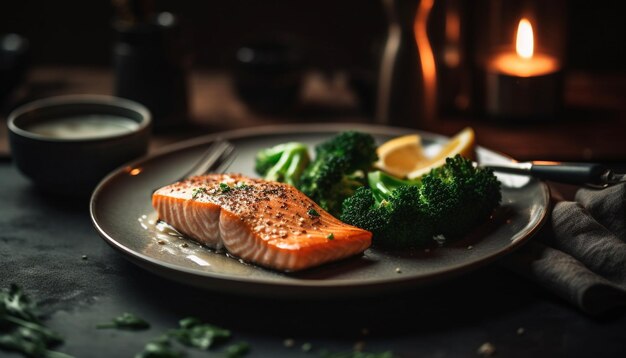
x=14, y=60
x=268, y=74
x=151, y=67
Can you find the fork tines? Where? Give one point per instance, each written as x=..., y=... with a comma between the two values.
x=216, y=159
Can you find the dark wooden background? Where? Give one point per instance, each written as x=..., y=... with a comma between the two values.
x=71, y=43
x=337, y=34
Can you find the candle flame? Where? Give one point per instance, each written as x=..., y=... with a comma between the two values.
x=524, y=44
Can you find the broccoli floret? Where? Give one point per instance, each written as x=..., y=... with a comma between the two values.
x=459, y=196
x=359, y=150
x=362, y=210
x=328, y=182
x=338, y=169
x=394, y=213
x=283, y=163
x=450, y=201
x=382, y=184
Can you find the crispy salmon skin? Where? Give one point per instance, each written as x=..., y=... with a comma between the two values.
x=267, y=223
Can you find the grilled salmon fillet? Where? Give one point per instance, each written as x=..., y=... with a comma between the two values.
x=267, y=223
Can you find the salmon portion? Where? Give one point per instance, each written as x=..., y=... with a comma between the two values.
x=267, y=223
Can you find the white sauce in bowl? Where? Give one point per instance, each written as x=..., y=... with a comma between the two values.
x=84, y=127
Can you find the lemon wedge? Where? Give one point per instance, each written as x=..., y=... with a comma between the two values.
x=401, y=156
x=462, y=143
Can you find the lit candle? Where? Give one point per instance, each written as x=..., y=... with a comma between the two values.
x=524, y=83
x=524, y=62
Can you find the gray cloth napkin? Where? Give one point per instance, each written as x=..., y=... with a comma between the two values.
x=581, y=253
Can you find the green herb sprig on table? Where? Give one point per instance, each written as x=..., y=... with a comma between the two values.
x=192, y=333
x=126, y=321
x=21, y=329
x=237, y=350
x=160, y=347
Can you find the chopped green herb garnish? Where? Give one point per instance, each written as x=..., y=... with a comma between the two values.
x=126, y=321
x=159, y=348
x=242, y=185
x=20, y=328
x=224, y=188
x=189, y=322
x=194, y=333
x=197, y=191
x=331, y=236
x=313, y=212
x=237, y=350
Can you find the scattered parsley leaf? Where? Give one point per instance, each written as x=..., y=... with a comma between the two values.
x=160, y=348
x=313, y=212
x=15, y=303
x=331, y=236
x=197, y=191
x=237, y=350
x=193, y=333
x=242, y=185
x=126, y=321
x=20, y=328
x=189, y=322
x=224, y=188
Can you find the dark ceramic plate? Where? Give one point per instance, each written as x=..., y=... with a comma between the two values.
x=122, y=213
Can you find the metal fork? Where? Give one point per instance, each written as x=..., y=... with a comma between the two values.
x=216, y=159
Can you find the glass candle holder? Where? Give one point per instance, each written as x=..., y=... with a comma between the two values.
x=520, y=49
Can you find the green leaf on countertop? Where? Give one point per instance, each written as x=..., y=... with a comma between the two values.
x=189, y=322
x=160, y=347
x=237, y=350
x=194, y=333
x=15, y=303
x=126, y=321
x=21, y=329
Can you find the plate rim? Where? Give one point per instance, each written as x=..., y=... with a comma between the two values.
x=302, y=284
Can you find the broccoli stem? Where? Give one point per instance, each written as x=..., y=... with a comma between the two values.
x=382, y=184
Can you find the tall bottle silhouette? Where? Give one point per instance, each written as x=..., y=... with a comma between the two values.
x=407, y=82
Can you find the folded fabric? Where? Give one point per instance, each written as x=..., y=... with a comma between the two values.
x=580, y=254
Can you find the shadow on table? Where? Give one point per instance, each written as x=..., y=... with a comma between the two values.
x=465, y=301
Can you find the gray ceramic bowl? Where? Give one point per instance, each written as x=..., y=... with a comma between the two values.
x=90, y=136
